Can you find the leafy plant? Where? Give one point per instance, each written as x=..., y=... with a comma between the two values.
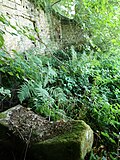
x=91, y=84
x=69, y=84
x=82, y=86
x=5, y=92
x=1, y=40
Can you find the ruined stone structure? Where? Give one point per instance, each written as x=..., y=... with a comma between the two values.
x=32, y=27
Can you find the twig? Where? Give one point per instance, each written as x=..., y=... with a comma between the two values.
x=55, y=3
x=28, y=142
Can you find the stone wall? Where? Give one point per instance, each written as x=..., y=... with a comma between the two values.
x=31, y=27
x=67, y=32
x=72, y=34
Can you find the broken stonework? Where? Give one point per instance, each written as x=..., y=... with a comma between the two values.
x=50, y=140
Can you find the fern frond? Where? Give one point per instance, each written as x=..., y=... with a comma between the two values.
x=43, y=94
x=24, y=92
x=74, y=54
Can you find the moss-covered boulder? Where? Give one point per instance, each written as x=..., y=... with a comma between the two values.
x=72, y=145
x=45, y=140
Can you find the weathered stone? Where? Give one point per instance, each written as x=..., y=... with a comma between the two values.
x=24, y=15
x=67, y=140
x=52, y=29
x=6, y=10
x=9, y=4
x=18, y=2
x=72, y=34
x=19, y=8
x=72, y=145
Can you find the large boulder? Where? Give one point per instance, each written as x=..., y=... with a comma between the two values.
x=45, y=140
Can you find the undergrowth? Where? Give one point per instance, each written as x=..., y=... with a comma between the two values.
x=69, y=85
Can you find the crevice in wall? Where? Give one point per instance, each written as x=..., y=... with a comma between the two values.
x=37, y=34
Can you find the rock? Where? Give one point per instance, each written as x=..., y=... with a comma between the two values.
x=72, y=145
x=61, y=140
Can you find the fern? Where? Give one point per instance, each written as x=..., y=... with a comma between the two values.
x=43, y=102
x=74, y=54
x=26, y=90
x=59, y=96
x=40, y=97
x=50, y=74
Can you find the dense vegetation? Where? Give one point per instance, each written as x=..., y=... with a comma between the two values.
x=73, y=84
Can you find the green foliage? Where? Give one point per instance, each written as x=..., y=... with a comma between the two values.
x=2, y=19
x=34, y=73
x=83, y=85
x=65, y=8
x=1, y=40
x=45, y=5
x=99, y=19
x=4, y=94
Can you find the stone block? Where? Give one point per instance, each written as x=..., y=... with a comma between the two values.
x=9, y=11
x=9, y=4
x=60, y=140
x=72, y=145
x=25, y=14
x=18, y=2
x=19, y=8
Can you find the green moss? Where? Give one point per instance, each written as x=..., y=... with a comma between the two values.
x=62, y=147
x=57, y=151
x=2, y=115
x=73, y=133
